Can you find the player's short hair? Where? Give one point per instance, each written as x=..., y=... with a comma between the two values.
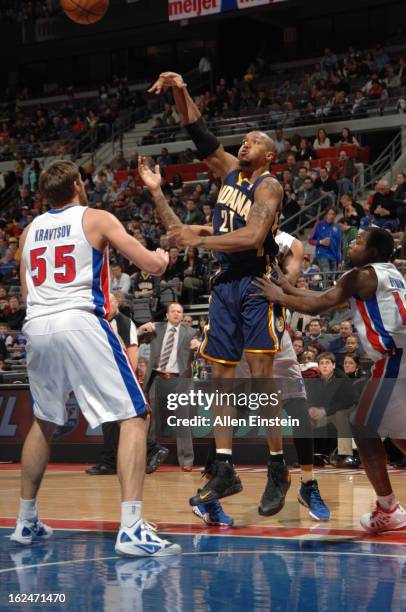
x=382, y=241
x=57, y=183
x=326, y=355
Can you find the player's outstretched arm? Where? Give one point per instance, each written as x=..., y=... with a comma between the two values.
x=209, y=148
x=362, y=283
x=154, y=262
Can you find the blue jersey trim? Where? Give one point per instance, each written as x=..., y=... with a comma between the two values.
x=98, y=296
x=58, y=211
x=126, y=372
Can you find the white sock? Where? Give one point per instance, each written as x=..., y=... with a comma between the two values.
x=224, y=451
x=130, y=513
x=276, y=452
x=387, y=502
x=28, y=509
x=306, y=475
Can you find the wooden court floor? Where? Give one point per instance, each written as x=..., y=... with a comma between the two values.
x=67, y=493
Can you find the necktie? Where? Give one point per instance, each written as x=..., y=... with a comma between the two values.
x=167, y=349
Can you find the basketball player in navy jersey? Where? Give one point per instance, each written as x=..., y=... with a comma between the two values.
x=376, y=291
x=242, y=238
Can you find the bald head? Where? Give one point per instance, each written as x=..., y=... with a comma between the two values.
x=269, y=143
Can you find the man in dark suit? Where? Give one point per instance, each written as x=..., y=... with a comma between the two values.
x=172, y=352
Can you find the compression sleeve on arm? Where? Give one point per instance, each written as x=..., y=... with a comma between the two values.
x=206, y=143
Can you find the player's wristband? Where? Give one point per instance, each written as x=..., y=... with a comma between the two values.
x=206, y=142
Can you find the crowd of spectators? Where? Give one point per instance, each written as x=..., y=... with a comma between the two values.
x=20, y=11
x=335, y=89
x=57, y=129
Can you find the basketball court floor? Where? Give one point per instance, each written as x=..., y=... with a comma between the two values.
x=286, y=562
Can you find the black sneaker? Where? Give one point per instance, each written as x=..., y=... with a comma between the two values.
x=101, y=470
x=156, y=457
x=273, y=498
x=224, y=482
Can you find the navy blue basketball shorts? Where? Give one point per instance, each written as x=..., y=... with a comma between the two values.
x=240, y=322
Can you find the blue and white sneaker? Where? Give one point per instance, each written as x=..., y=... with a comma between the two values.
x=28, y=531
x=142, y=540
x=213, y=514
x=309, y=496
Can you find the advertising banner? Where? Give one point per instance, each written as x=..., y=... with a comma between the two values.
x=187, y=9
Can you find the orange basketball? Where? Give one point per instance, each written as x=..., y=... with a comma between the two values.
x=85, y=11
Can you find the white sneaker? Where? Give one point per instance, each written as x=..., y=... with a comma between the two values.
x=142, y=540
x=26, y=531
x=381, y=520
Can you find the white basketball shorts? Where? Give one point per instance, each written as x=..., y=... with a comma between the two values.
x=77, y=351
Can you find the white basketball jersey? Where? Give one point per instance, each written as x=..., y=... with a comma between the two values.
x=64, y=271
x=381, y=320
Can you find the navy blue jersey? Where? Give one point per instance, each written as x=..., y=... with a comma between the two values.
x=231, y=212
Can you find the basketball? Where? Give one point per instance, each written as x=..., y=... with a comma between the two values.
x=85, y=12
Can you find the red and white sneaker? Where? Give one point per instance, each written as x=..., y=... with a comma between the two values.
x=381, y=520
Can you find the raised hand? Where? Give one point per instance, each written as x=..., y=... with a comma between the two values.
x=165, y=80
x=151, y=178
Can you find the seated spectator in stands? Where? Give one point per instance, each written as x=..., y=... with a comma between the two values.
x=207, y=213
x=326, y=237
x=316, y=334
x=16, y=315
x=399, y=198
x=346, y=138
x=325, y=184
x=308, y=116
x=307, y=196
x=332, y=402
x=308, y=366
x=194, y=215
x=279, y=142
x=119, y=162
x=383, y=208
x=328, y=61
x=352, y=367
x=175, y=267
x=193, y=282
x=164, y=159
x=305, y=150
x=292, y=166
x=319, y=74
x=338, y=345
x=283, y=156
x=323, y=109
x=360, y=105
x=143, y=284
x=177, y=184
x=322, y=141
x=345, y=173
x=353, y=211
x=290, y=207
x=122, y=303
x=352, y=345
x=133, y=163
x=300, y=178
x=187, y=320
x=119, y=280
x=298, y=346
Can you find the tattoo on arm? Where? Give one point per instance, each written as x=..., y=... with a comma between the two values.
x=165, y=212
x=265, y=212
